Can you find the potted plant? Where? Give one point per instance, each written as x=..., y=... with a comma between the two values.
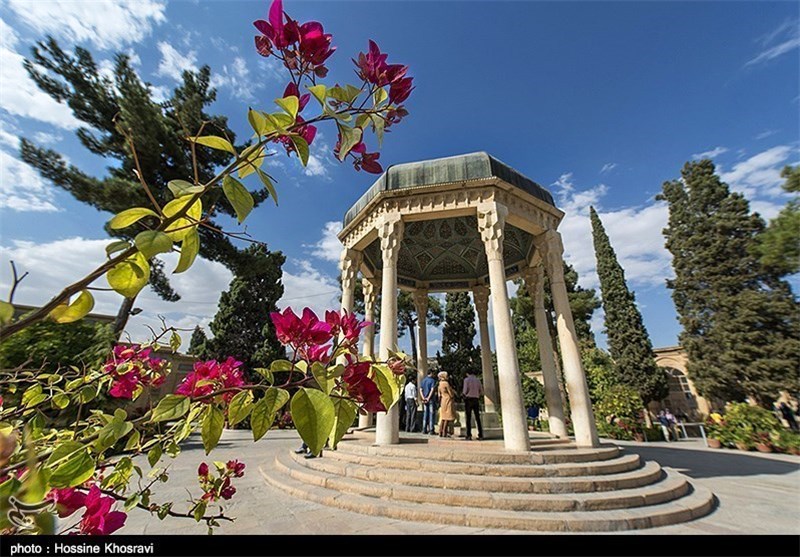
x=715, y=432
x=763, y=443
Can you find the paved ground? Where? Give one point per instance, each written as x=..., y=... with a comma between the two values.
x=758, y=494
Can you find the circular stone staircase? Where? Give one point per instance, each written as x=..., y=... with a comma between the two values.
x=555, y=487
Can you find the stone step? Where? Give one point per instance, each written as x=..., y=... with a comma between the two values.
x=649, y=473
x=488, y=452
x=536, y=444
x=621, y=463
x=694, y=505
x=672, y=487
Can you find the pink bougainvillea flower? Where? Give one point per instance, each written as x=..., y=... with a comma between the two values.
x=202, y=470
x=292, y=91
x=236, y=468
x=315, y=44
x=300, y=332
x=227, y=490
x=361, y=387
x=133, y=367
x=369, y=163
x=371, y=64
x=99, y=520
x=347, y=324
x=400, y=90
x=67, y=500
x=397, y=366
x=372, y=67
x=211, y=376
x=316, y=353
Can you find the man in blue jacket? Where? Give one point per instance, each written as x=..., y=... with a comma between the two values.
x=428, y=391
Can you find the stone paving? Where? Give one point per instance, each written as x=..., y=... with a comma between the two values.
x=757, y=493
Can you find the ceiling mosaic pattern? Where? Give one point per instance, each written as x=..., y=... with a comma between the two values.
x=448, y=250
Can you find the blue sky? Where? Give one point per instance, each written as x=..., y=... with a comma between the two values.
x=599, y=102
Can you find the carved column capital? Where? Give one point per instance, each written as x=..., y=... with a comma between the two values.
x=534, y=284
x=370, y=290
x=551, y=248
x=491, y=224
x=481, y=296
x=421, y=303
x=390, y=232
x=349, y=265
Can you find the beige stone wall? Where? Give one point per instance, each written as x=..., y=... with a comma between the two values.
x=680, y=399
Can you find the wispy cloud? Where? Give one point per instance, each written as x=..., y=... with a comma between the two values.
x=328, y=248
x=711, y=153
x=21, y=187
x=174, y=63
x=760, y=175
x=608, y=167
x=766, y=133
x=235, y=77
x=783, y=39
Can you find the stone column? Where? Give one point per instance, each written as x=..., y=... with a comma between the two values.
x=491, y=222
x=390, y=232
x=534, y=282
x=480, y=294
x=349, y=264
x=421, y=305
x=368, y=352
x=552, y=250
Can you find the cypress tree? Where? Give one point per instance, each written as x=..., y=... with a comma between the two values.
x=779, y=245
x=107, y=105
x=459, y=353
x=242, y=327
x=628, y=341
x=741, y=324
x=197, y=344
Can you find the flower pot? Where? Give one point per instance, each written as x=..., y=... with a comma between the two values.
x=795, y=451
x=742, y=446
x=714, y=443
x=638, y=437
x=763, y=448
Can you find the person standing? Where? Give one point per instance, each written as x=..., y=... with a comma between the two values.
x=411, y=404
x=788, y=415
x=428, y=391
x=447, y=412
x=473, y=391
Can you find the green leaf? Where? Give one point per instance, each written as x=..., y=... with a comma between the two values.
x=74, y=470
x=62, y=452
x=320, y=373
x=379, y=96
x=152, y=242
x=211, y=429
x=182, y=226
x=239, y=197
x=132, y=501
x=190, y=247
x=199, y=510
x=319, y=92
x=253, y=158
x=88, y=393
x=128, y=277
x=67, y=313
x=290, y=104
x=6, y=313
x=346, y=94
x=34, y=488
x=378, y=124
x=281, y=365
x=265, y=373
x=133, y=441
x=175, y=341
x=179, y=188
x=219, y=143
x=129, y=217
x=154, y=455
x=279, y=121
x=240, y=407
x=389, y=384
x=313, y=416
x=344, y=413
x=302, y=148
x=267, y=181
x=32, y=396
x=112, y=432
x=114, y=247
x=263, y=413
x=350, y=138
x=258, y=122
x=171, y=407
x=60, y=401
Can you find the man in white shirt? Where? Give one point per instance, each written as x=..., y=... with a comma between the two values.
x=473, y=391
x=411, y=404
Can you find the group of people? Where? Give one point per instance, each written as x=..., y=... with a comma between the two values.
x=667, y=421
x=436, y=392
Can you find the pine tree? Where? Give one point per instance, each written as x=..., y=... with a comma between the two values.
x=105, y=106
x=628, y=340
x=242, y=327
x=197, y=344
x=741, y=324
x=779, y=245
x=459, y=353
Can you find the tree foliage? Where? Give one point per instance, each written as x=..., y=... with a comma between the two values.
x=242, y=327
x=197, y=343
x=741, y=324
x=628, y=340
x=778, y=245
x=459, y=354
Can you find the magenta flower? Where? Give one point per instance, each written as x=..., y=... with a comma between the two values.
x=400, y=90
x=67, y=500
x=99, y=520
x=202, y=470
x=315, y=44
x=292, y=91
x=347, y=324
x=236, y=468
x=361, y=387
x=131, y=368
x=300, y=332
x=211, y=376
x=372, y=67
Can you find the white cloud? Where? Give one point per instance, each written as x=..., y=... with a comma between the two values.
x=608, y=167
x=315, y=167
x=45, y=138
x=236, y=78
x=711, y=153
x=22, y=188
x=308, y=287
x=766, y=133
x=8, y=36
x=20, y=96
x=105, y=23
x=779, y=41
x=8, y=135
x=160, y=92
x=328, y=248
x=760, y=174
x=54, y=264
x=174, y=63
